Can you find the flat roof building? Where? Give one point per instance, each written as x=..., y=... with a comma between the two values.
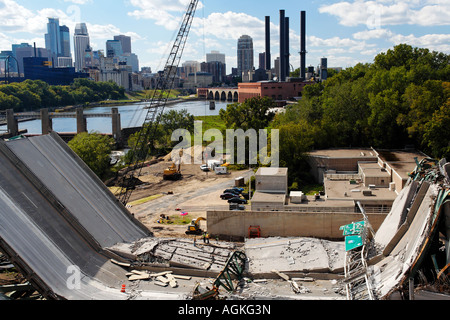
x=272, y=89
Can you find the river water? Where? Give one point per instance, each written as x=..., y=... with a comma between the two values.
x=132, y=115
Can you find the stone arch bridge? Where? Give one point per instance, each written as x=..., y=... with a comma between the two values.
x=222, y=94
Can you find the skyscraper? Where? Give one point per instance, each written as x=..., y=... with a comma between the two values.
x=81, y=44
x=125, y=42
x=113, y=48
x=53, y=37
x=57, y=41
x=65, y=42
x=15, y=47
x=245, y=54
x=215, y=56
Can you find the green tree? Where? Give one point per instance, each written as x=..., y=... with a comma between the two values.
x=8, y=102
x=437, y=132
x=94, y=149
x=161, y=136
x=254, y=113
x=385, y=109
x=421, y=103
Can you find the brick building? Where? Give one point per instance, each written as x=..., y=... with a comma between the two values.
x=272, y=89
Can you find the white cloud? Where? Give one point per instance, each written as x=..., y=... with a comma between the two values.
x=14, y=17
x=378, y=13
x=78, y=1
x=161, y=11
x=373, y=34
x=436, y=42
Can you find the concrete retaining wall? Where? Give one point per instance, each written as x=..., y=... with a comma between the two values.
x=324, y=225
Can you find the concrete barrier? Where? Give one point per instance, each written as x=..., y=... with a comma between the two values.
x=324, y=225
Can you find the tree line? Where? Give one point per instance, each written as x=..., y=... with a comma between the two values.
x=402, y=98
x=32, y=95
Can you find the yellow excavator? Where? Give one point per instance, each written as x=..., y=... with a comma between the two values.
x=173, y=172
x=194, y=227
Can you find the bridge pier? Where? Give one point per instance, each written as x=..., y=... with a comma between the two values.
x=46, y=122
x=81, y=121
x=12, y=123
x=116, y=124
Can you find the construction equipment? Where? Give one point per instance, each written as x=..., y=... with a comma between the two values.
x=173, y=172
x=156, y=108
x=254, y=232
x=233, y=270
x=194, y=227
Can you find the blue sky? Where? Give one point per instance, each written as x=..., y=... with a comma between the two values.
x=346, y=32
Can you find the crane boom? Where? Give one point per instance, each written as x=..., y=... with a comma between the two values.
x=157, y=105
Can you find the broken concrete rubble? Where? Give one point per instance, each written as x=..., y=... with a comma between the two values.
x=294, y=254
x=177, y=253
x=402, y=249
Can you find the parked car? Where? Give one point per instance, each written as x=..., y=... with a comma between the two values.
x=232, y=191
x=236, y=207
x=237, y=201
x=240, y=190
x=205, y=168
x=227, y=196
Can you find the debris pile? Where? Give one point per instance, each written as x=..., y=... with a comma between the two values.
x=411, y=247
x=181, y=253
x=295, y=255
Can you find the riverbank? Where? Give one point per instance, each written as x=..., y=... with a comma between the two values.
x=119, y=103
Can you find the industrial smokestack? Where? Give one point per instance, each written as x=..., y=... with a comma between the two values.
x=287, y=50
x=282, y=46
x=303, y=45
x=268, y=53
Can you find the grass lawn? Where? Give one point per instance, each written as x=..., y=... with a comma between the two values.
x=212, y=122
x=145, y=200
x=177, y=220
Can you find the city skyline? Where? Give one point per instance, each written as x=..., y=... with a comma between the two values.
x=344, y=32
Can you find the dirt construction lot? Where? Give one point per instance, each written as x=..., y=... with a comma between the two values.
x=195, y=193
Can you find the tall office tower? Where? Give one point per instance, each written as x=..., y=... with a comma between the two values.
x=245, y=54
x=30, y=51
x=125, y=41
x=113, y=48
x=19, y=64
x=216, y=68
x=191, y=67
x=215, y=56
x=65, y=42
x=53, y=37
x=323, y=69
x=81, y=44
x=262, y=61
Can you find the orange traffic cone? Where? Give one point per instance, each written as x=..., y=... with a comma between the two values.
x=123, y=288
